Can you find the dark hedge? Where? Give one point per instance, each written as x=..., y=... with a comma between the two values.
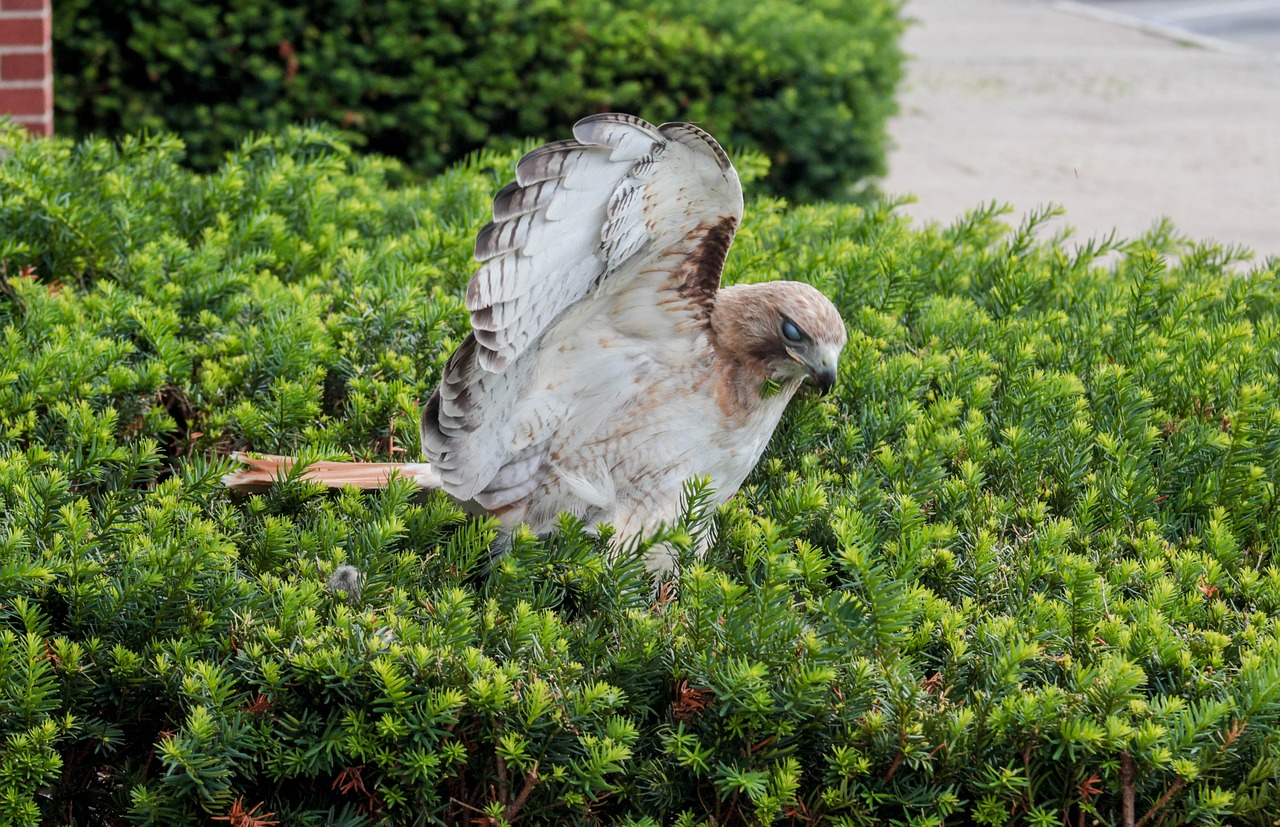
x=810, y=84
x=1019, y=568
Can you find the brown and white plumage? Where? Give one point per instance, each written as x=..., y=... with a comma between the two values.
x=606, y=366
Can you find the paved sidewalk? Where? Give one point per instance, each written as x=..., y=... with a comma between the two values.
x=1221, y=24
x=1023, y=101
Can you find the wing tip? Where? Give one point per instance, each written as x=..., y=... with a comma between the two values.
x=544, y=162
x=494, y=360
x=695, y=137
x=484, y=242
x=502, y=200
x=587, y=130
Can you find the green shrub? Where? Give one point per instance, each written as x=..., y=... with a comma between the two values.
x=1019, y=569
x=810, y=84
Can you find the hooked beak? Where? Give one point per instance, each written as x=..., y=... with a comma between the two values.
x=822, y=368
x=824, y=378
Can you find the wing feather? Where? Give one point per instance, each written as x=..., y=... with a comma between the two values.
x=514, y=200
x=624, y=206
x=544, y=163
x=628, y=136
x=580, y=210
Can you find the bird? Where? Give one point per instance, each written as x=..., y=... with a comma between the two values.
x=606, y=365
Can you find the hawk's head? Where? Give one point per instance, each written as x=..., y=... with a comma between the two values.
x=788, y=328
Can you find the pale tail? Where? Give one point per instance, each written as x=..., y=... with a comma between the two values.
x=263, y=471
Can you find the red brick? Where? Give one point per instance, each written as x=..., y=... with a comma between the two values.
x=23, y=5
x=25, y=67
x=36, y=101
x=41, y=126
x=26, y=31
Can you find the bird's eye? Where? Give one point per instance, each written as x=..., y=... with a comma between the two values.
x=790, y=332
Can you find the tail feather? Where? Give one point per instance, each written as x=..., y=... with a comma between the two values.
x=262, y=472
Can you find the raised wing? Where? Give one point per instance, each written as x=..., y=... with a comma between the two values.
x=580, y=210
x=624, y=206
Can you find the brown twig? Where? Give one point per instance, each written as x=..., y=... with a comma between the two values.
x=504, y=787
x=514, y=808
x=897, y=762
x=1126, y=788
x=1173, y=790
x=464, y=805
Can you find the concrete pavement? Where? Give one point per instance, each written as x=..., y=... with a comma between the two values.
x=1025, y=102
x=1252, y=24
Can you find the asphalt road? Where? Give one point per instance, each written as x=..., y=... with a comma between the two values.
x=1253, y=24
x=1031, y=102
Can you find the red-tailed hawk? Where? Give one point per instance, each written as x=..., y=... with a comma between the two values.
x=606, y=366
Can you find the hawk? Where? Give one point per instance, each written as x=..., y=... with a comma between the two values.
x=606, y=366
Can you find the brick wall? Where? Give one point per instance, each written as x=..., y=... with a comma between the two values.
x=26, y=63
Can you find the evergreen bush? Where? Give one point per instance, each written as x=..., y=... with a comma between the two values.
x=810, y=84
x=1018, y=569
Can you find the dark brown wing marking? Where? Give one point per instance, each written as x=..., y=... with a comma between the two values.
x=699, y=274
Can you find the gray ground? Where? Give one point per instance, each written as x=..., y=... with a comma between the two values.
x=1254, y=24
x=1031, y=102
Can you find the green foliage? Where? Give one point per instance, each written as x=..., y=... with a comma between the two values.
x=1018, y=569
x=809, y=84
